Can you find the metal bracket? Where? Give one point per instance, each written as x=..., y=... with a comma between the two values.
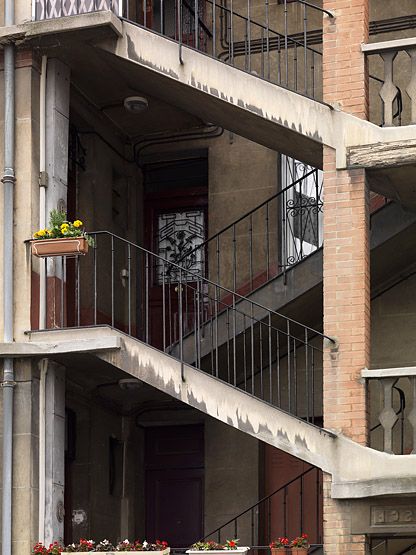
x=8, y=383
x=43, y=179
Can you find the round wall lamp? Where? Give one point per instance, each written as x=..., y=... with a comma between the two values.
x=136, y=104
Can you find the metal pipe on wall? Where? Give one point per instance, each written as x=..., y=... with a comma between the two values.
x=8, y=180
x=42, y=189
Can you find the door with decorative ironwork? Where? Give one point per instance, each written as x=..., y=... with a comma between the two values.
x=175, y=226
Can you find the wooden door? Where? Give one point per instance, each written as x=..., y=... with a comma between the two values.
x=296, y=509
x=175, y=223
x=174, y=466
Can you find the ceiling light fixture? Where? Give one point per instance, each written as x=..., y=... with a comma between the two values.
x=136, y=104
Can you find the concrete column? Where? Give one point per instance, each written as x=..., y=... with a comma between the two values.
x=57, y=128
x=55, y=453
x=346, y=259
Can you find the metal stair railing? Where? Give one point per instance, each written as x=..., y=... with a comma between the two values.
x=247, y=35
x=258, y=517
x=243, y=343
x=267, y=240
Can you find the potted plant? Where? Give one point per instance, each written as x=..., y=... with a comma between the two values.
x=54, y=549
x=300, y=545
x=62, y=238
x=105, y=546
x=279, y=546
x=215, y=548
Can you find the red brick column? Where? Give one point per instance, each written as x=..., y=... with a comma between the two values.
x=346, y=259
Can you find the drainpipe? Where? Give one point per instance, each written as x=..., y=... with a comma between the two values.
x=42, y=189
x=43, y=365
x=8, y=371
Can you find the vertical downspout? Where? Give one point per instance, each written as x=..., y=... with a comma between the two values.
x=42, y=300
x=42, y=189
x=8, y=371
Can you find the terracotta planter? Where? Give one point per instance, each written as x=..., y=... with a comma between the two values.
x=67, y=246
x=300, y=550
x=164, y=552
x=280, y=550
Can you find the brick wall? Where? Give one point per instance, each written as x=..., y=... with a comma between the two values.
x=346, y=259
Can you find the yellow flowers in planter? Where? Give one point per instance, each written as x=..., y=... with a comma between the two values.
x=61, y=228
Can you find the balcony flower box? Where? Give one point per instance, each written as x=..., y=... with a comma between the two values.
x=164, y=552
x=62, y=238
x=68, y=246
x=230, y=547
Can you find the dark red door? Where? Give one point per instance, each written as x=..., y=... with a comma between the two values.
x=176, y=201
x=295, y=509
x=174, y=462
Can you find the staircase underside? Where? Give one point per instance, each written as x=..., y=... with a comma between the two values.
x=357, y=471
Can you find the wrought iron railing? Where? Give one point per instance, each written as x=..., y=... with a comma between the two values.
x=293, y=508
x=267, y=240
x=267, y=354
x=259, y=38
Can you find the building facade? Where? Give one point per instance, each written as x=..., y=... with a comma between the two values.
x=234, y=355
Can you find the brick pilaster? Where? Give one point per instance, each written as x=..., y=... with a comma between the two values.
x=346, y=259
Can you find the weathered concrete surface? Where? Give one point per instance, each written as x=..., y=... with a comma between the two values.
x=263, y=112
x=357, y=471
x=76, y=345
x=84, y=22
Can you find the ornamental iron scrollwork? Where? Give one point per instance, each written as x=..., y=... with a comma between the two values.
x=302, y=210
x=179, y=233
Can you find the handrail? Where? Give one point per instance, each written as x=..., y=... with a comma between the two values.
x=266, y=498
x=213, y=284
x=235, y=222
x=316, y=7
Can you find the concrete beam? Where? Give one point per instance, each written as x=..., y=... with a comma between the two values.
x=385, y=46
x=357, y=471
x=380, y=155
x=30, y=349
x=84, y=22
x=389, y=372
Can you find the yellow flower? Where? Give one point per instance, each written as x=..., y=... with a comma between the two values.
x=78, y=223
x=41, y=233
x=64, y=226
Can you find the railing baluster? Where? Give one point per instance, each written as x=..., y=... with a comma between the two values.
x=112, y=281
x=63, y=258
x=78, y=290
x=388, y=91
x=180, y=309
x=147, y=311
x=196, y=18
x=129, y=286
x=234, y=344
x=270, y=359
x=289, y=380
x=305, y=53
x=249, y=34
x=95, y=247
x=286, y=46
x=164, y=305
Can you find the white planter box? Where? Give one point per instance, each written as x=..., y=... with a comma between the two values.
x=164, y=552
x=239, y=550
